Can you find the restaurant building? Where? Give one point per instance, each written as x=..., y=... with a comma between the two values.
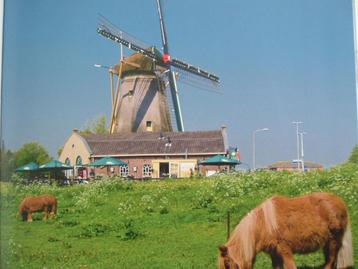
x=148, y=154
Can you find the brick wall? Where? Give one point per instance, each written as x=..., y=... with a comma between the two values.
x=136, y=165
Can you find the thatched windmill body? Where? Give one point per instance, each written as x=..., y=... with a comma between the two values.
x=139, y=83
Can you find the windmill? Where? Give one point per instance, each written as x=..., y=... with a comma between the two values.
x=140, y=100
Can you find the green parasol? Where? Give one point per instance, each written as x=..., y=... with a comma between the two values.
x=28, y=167
x=55, y=165
x=219, y=160
x=108, y=161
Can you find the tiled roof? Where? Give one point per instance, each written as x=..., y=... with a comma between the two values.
x=152, y=143
x=292, y=165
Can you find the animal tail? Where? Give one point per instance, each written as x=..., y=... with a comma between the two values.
x=345, y=254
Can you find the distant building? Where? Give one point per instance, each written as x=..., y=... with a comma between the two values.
x=292, y=166
x=148, y=154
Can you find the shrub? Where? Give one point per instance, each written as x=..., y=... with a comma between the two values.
x=163, y=210
x=70, y=223
x=95, y=192
x=203, y=199
x=94, y=230
x=52, y=239
x=130, y=232
x=353, y=158
x=17, y=179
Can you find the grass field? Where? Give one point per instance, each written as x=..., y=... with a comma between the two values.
x=155, y=224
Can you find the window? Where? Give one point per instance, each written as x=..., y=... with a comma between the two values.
x=68, y=173
x=174, y=170
x=147, y=170
x=124, y=170
x=78, y=161
x=149, y=126
x=67, y=161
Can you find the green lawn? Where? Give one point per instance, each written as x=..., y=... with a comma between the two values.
x=155, y=224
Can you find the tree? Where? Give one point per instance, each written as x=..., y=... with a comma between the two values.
x=59, y=151
x=353, y=158
x=7, y=166
x=31, y=152
x=95, y=126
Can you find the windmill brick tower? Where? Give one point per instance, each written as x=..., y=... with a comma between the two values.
x=141, y=104
x=140, y=99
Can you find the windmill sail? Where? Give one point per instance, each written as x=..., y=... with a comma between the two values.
x=108, y=30
x=197, y=82
x=172, y=82
x=203, y=81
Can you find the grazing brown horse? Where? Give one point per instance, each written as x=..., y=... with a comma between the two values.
x=43, y=203
x=282, y=226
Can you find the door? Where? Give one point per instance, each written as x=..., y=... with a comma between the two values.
x=164, y=169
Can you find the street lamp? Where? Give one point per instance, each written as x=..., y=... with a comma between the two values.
x=254, y=146
x=298, y=143
x=302, y=153
x=102, y=66
x=111, y=81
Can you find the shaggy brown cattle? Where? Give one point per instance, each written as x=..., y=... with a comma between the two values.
x=281, y=226
x=43, y=203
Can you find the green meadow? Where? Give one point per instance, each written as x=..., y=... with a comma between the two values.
x=154, y=224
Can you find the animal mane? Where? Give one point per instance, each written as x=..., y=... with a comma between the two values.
x=242, y=241
x=268, y=208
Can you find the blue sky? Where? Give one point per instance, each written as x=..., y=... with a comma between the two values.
x=279, y=61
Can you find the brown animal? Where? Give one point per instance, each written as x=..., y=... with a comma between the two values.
x=43, y=203
x=282, y=226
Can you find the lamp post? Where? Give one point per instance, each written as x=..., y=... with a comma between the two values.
x=298, y=142
x=254, y=146
x=355, y=34
x=111, y=81
x=301, y=134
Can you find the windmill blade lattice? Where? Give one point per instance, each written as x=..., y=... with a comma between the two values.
x=197, y=82
x=114, y=33
x=104, y=23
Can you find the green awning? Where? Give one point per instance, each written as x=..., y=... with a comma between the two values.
x=28, y=167
x=108, y=161
x=219, y=160
x=55, y=165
